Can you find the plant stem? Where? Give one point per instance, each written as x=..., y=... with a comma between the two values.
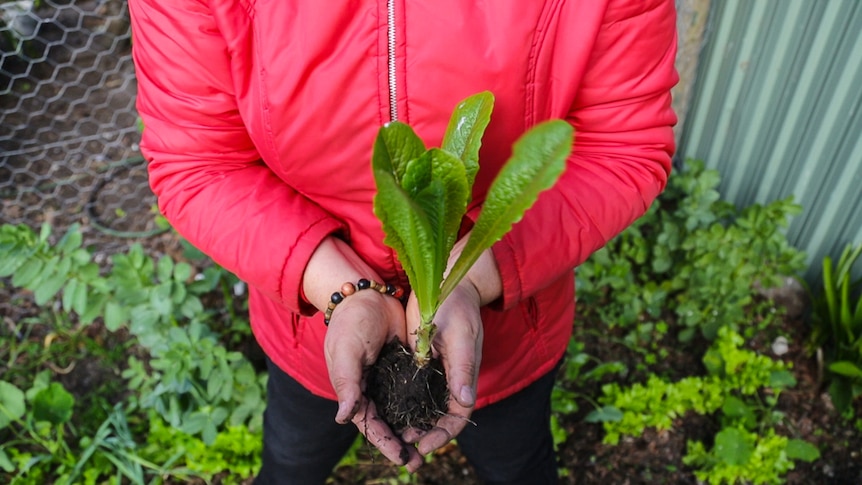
x=424, y=336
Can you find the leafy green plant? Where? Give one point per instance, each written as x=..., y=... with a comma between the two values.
x=192, y=380
x=181, y=369
x=39, y=416
x=691, y=256
x=197, y=386
x=837, y=325
x=423, y=194
x=742, y=387
x=742, y=456
x=235, y=449
x=735, y=376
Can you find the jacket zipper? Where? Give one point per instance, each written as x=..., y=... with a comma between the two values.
x=393, y=107
x=390, y=38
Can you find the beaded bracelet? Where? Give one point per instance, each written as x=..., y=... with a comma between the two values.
x=348, y=289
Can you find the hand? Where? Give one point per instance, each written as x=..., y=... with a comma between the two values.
x=458, y=342
x=359, y=327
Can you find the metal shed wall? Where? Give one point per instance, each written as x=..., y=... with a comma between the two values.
x=777, y=109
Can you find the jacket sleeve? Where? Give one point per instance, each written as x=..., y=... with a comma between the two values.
x=208, y=176
x=624, y=141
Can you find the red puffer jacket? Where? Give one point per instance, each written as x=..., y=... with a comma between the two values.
x=260, y=118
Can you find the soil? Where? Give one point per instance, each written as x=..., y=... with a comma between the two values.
x=407, y=396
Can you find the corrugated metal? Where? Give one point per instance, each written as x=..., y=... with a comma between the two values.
x=778, y=111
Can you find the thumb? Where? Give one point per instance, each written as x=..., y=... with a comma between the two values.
x=461, y=359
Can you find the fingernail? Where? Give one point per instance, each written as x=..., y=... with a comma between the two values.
x=346, y=411
x=466, y=395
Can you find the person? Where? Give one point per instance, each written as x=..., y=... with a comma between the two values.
x=260, y=118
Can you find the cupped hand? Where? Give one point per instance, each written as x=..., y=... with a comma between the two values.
x=458, y=343
x=359, y=327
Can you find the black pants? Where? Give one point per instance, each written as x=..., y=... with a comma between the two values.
x=510, y=444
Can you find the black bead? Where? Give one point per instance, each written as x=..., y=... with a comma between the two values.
x=390, y=288
x=363, y=284
x=337, y=297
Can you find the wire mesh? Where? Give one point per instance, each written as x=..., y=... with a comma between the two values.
x=68, y=126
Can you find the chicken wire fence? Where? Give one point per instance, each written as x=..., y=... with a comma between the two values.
x=68, y=127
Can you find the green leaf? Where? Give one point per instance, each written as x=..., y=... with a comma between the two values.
x=844, y=310
x=48, y=287
x=396, y=145
x=71, y=240
x=10, y=263
x=5, y=463
x=95, y=306
x=857, y=318
x=734, y=407
x=53, y=404
x=829, y=290
x=846, y=368
x=409, y=233
x=732, y=446
x=69, y=294
x=164, y=269
x=442, y=197
x=782, y=379
x=713, y=362
x=182, y=272
x=847, y=260
x=44, y=232
x=27, y=272
x=538, y=159
x=463, y=136
x=605, y=414
x=802, y=450
x=115, y=316
x=80, y=299
x=160, y=298
x=11, y=404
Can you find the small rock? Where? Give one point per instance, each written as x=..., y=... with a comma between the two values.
x=780, y=346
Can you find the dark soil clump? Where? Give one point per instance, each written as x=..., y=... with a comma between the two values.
x=405, y=395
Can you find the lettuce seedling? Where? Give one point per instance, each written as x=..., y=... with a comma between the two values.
x=422, y=196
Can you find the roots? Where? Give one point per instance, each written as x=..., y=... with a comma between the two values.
x=406, y=395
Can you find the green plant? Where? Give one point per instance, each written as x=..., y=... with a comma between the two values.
x=692, y=257
x=742, y=388
x=423, y=194
x=741, y=456
x=574, y=375
x=197, y=385
x=735, y=376
x=235, y=449
x=837, y=326
x=39, y=416
x=195, y=382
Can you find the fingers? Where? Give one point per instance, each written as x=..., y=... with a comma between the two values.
x=345, y=373
x=378, y=434
x=447, y=427
x=355, y=336
x=460, y=347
